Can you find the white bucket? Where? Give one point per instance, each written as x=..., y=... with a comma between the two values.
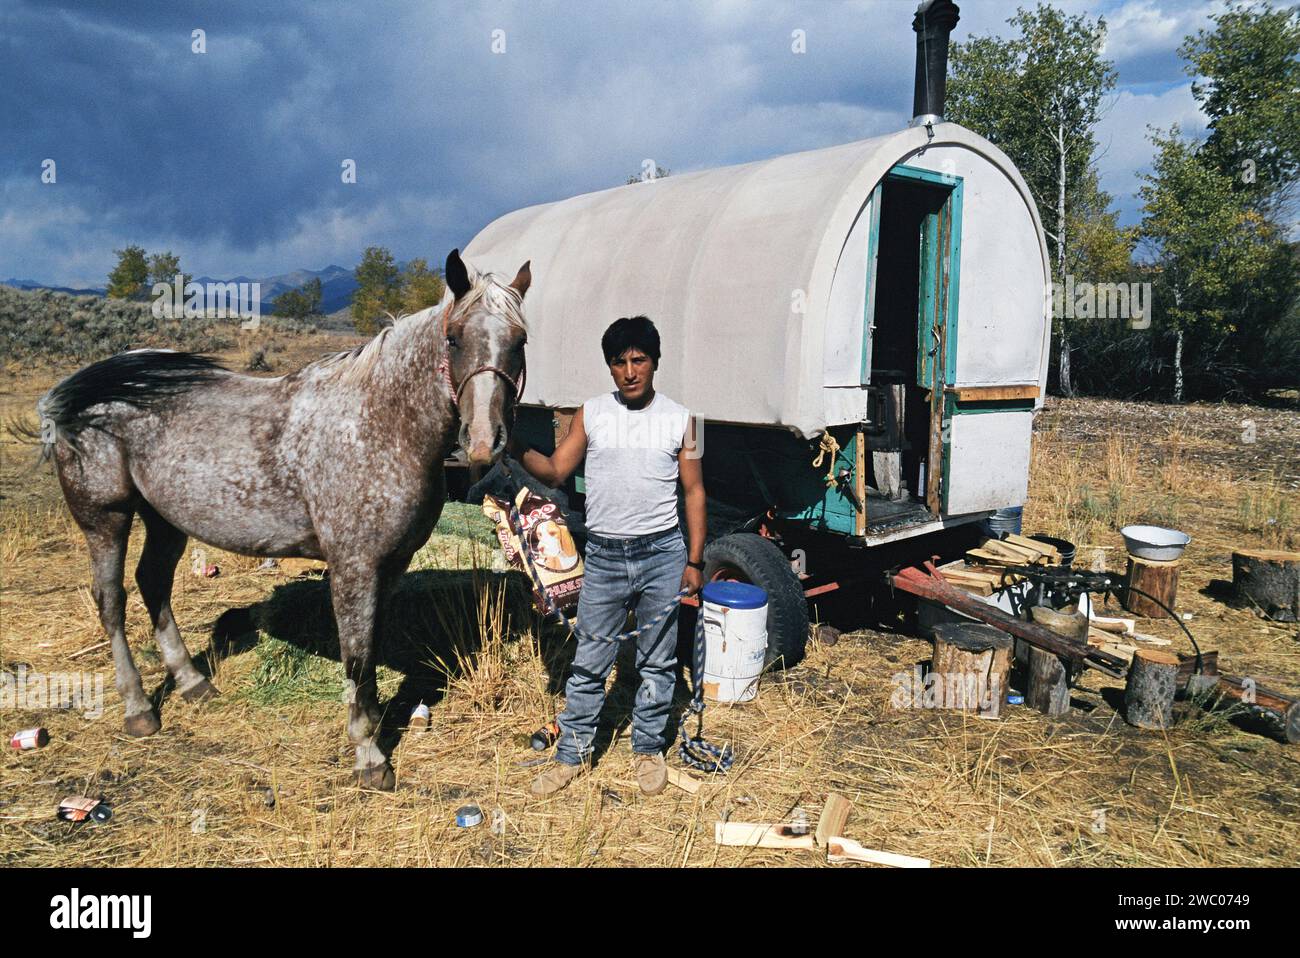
x=735, y=640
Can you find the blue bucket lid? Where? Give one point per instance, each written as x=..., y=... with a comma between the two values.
x=734, y=595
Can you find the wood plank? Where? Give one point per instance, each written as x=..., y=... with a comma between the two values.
x=840, y=850
x=992, y=393
x=860, y=483
x=759, y=835
x=1040, y=547
x=683, y=781
x=835, y=815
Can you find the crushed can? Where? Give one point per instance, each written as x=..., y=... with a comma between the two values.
x=467, y=816
x=78, y=808
x=545, y=737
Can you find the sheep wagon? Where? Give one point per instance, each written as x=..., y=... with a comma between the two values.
x=864, y=330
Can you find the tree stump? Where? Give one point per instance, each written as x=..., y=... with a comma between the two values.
x=1149, y=694
x=1047, y=682
x=1268, y=579
x=1159, y=579
x=972, y=661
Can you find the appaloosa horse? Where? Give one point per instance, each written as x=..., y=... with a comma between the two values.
x=341, y=460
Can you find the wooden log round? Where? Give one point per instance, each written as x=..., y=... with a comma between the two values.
x=1158, y=579
x=1047, y=685
x=1269, y=580
x=1149, y=694
x=1048, y=688
x=972, y=661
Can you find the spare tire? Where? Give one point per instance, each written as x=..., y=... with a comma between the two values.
x=748, y=557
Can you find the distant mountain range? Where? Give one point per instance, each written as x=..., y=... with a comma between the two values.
x=337, y=285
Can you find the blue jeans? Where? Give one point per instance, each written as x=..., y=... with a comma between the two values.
x=641, y=574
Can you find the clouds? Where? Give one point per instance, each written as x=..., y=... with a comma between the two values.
x=1123, y=137
x=231, y=158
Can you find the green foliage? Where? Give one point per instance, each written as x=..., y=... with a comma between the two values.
x=421, y=287
x=299, y=303
x=1247, y=72
x=129, y=278
x=1037, y=95
x=1206, y=239
x=288, y=673
x=379, y=290
x=1101, y=250
x=163, y=268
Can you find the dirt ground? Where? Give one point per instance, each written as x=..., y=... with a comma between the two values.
x=261, y=775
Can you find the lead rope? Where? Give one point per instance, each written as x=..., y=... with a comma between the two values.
x=693, y=750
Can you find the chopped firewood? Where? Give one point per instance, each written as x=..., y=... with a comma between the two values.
x=683, y=781
x=840, y=850
x=1107, y=624
x=981, y=557
x=999, y=574
x=1152, y=639
x=759, y=835
x=1037, y=545
x=968, y=584
x=835, y=815
x=1000, y=548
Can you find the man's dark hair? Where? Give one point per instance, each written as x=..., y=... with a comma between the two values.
x=631, y=332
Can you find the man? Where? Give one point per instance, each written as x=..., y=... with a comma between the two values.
x=637, y=443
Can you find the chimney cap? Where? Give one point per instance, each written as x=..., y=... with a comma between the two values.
x=935, y=17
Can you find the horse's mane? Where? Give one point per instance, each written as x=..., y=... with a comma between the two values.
x=356, y=363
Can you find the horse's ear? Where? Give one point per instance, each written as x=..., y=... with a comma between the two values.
x=457, y=275
x=523, y=279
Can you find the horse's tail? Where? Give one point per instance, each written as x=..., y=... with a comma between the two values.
x=142, y=378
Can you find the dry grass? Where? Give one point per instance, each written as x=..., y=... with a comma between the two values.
x=1087, y=790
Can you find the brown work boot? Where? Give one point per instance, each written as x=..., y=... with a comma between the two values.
x=553, y=778
x=651, y=773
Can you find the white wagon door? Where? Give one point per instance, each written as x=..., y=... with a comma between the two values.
x=992, y=347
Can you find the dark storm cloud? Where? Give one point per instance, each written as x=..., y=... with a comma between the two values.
x=232, y=158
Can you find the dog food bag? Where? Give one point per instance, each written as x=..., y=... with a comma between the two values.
x=548, y=540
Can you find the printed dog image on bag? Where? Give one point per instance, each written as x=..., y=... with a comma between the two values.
x=550, y=545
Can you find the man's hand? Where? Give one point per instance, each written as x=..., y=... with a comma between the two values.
x=692, y=580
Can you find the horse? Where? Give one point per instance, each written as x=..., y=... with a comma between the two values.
x=341, y=460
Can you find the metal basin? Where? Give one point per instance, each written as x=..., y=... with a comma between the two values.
x=1154, y=542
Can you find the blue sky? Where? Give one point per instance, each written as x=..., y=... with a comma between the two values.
x=232, y=158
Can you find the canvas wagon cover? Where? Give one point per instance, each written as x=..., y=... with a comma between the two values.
x=734, y=265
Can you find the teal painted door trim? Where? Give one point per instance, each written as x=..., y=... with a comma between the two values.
x=869, y=307
x=930, y=279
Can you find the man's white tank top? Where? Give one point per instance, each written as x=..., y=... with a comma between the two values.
x=631, y=469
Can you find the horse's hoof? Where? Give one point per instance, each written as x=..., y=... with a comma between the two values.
x=377, y=777
x=201, y=692
x=141, y=724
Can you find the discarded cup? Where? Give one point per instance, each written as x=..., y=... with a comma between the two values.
x=78, y=808
x=419, y=716
x=30, y=738
x=467, y=816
